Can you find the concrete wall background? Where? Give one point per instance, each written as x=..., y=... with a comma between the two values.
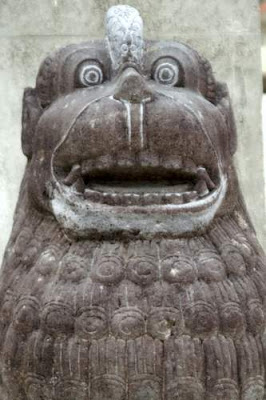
x=226, y=32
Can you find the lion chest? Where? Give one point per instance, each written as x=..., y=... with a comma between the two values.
x=148, y=320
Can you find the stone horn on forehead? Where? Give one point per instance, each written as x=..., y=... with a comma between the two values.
x=132, y=271
x=124, y=34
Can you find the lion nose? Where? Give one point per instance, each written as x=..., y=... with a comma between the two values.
x=132, y=87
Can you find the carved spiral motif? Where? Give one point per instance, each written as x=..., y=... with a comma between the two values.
x=31, y=252
x=142, y=270
x=108, y=270
x=145, y=387
x=8, y=306
x=26, y=315
x=36, y=388
x=225, y=389
x=234, y=260
x=71, y=390
x=118, y=20
x=186, y=388
x=232, y=319
x=47, y=262
x=163, y=322
x=179, y=269
x=72, y=268
x=200, y=318
x=253, y=388
x=22, y=240
x=255, y=316
x=106, y=387
x=91, y=323
x=211, y=267
x=57, y=317
x=128, y=322
x=241, y=242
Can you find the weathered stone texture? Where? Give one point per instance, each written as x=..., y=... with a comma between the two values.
x=132, y=271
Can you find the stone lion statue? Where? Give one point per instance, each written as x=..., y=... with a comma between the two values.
x=133, y=271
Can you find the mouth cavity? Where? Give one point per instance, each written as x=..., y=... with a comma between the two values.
x=138, y=185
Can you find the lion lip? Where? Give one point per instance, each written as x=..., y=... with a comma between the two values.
x=183, y=187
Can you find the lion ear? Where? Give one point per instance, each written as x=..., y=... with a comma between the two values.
x=223, y=102
x=31, y=113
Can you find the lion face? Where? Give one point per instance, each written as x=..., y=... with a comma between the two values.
x=129, y=136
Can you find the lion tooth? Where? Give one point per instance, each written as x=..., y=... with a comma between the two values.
x=177, y=198
x=172, y=164
x=189, y=166
x=129, y=198
x=136, y=198
x=79, y=185
x=124, y=162
x=203, y=174
x=73, y=175
x=120, y=199
x=147, y=199
x=114, y=199
x=172, y=198
x=88, y=193
x=148, y=160
x=104, y=163
x=107, y=197
x=201, y=188
x=92, y=195
x=167, y=198
x=190, y=196
x=111, y=198
x=155, y=198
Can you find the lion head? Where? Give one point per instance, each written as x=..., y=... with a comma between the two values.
x=128, y=136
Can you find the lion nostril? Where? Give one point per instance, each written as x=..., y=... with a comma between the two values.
x=132, y=87
x=133, y=48
x=124, y=48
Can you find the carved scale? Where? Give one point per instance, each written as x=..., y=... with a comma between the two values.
x=132, y=271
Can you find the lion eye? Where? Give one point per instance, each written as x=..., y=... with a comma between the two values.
x=167, y=73
x=90, y=73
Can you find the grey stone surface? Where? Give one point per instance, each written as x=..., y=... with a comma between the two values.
x=111, y=287
x=227, y=33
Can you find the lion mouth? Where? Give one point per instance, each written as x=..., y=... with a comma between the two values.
x=140, y=186
x=177, y=198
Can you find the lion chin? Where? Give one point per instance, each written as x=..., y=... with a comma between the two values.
x=132, y=271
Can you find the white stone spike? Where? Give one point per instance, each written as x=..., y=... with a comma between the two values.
x=124, y=34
